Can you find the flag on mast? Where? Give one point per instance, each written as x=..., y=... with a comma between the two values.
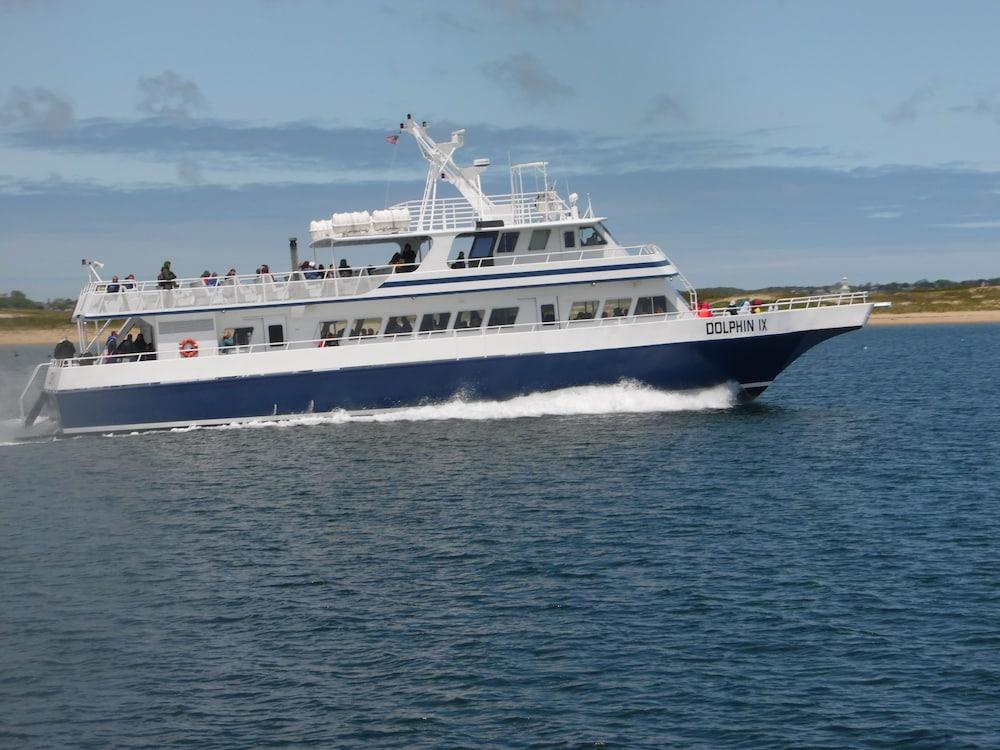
x=393, y=139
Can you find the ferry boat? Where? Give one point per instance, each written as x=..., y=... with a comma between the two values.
x=485, y=296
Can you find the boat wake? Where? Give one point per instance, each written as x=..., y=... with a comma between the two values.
x=595, y=400
x=589, y=400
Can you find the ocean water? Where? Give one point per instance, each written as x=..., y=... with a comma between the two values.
x=601, y=567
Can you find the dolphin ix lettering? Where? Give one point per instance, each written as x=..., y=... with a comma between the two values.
x=741, y=325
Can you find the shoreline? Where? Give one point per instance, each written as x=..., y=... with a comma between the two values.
x=37, y=336
x=939, y=318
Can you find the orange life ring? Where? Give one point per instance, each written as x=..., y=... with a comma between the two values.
x=189, y=348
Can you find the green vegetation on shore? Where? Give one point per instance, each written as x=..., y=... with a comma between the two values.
x=905, y=298
x=33, y=320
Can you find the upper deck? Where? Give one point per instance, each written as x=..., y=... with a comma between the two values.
x=249, y=290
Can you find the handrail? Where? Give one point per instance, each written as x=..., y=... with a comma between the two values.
x=44, y=366
x=831, y=300
x=133, y=296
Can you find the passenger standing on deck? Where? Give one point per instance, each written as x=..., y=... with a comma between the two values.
x=345, y=270
x=459, y=261
x=64, y=349
x=126, y=349
x=111, y=346
x=166, y=277
x=409, y=258
x=140, y=346
x=114, y=286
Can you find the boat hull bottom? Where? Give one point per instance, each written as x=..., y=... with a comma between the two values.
x=751, y=363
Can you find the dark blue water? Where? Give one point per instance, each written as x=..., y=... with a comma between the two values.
x=818, y=569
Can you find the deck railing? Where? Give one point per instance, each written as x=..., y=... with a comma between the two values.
x=458, y=213
x=133, y=297
x=794, y=303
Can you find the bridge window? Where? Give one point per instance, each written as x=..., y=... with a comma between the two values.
x=585, y=310
x=539, y=240
x=434, y=321
x=400, y=324
x=508, y=240
x=590, y=236
x=616, y=308
x=569, y=238
x=366, y=327
x=650, y=305
x=503, y=316
x=469, y=319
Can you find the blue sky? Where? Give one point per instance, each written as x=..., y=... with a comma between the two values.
x=757, y=142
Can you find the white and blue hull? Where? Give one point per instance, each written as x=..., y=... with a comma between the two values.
x=672, y=355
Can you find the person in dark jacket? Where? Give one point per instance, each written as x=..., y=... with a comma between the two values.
x=140, y=347
x=166, y=277
x=64, y=349
x=126, y=349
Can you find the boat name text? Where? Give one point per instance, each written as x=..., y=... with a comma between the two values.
x=743, y=325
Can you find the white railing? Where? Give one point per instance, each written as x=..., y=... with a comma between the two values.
x=134, y=297
x=796, y=303
x=458, y=213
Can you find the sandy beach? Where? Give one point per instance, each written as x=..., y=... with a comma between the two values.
x=958, y=316
x=37, y=336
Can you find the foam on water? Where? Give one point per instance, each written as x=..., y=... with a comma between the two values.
x=622, y=398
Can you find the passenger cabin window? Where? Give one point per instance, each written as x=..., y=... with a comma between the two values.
x=366, y=327
x=616, y=308
x=548, y=313
x=569, y=238
x=539, y=240
x=400, y=324
x=589, y=236
x=435, y=321
x=585, y=310
x=650, y=305
x=333, y=329
x=275, y=334
x=469, y=319
x=503, y=316
x=507, y=243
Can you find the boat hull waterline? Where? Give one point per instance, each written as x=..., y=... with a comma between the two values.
x=749, y=364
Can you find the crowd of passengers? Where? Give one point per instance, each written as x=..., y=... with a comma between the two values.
x=404, y=261
x=128, y=349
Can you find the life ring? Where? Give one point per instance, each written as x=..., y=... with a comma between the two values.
x=189, y=348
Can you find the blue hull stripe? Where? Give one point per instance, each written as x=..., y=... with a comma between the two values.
x=408, y=295
x=678, y=366
x=521, y=275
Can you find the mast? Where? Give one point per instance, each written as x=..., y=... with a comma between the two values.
x=442, y=165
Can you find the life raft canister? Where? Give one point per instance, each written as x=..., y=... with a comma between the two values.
x=189, y=348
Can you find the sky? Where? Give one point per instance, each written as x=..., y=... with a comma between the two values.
x=758, y=143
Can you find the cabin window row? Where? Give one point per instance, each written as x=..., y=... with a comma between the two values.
x=617, y=307
x=397, y=324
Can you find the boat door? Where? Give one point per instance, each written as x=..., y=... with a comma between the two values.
x=538, y=310
x=274, y=331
